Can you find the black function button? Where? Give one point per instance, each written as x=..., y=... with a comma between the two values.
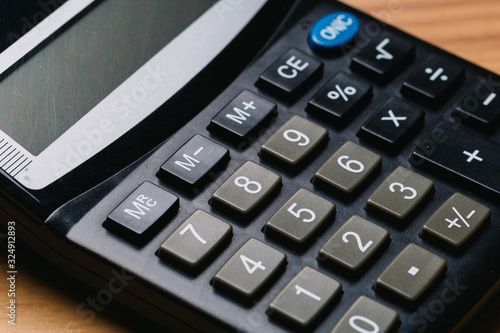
x=290, y=74
x=340, y=98
x=242, y=116
x=434, y=80
x=481, y=106
x=392, y=123
x=141, y=212
x=462, y=154
x=193, y=161
x=384, y=56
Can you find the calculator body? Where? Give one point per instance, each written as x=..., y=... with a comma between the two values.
x=67, y=217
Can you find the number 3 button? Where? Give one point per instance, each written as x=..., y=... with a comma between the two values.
x=400, y=193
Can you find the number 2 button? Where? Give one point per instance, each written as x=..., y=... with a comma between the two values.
x=400, y=193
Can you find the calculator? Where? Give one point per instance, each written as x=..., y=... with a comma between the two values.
x=252, y=166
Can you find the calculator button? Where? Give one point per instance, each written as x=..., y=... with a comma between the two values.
x=354, y=243
x=367, y=315
x=463, y=155
x=411, y=272
x=300, y=216
x=245, y=114
x=384, y=56
x=195, y=239
x=340, y=98
x=400, y=193
x=435, y=79
x=246, y=188
x=481, y=106
x=305, y=296
x=249, y=268
x=294, y=141
x=348, y=168
x=143, y=210
x=193, y=161
x=333, y=31
x=290, y=74
x=392, y=123
x=456, y=220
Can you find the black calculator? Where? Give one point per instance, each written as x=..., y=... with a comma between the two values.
x=251, y=166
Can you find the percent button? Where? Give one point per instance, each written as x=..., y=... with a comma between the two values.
x=340, y=98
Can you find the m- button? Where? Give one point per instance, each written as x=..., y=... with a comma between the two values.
x=290, y=74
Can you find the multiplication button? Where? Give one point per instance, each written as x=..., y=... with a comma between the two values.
x=411, y=273
x=456, y=220
x=305, y=296
x=249, y=268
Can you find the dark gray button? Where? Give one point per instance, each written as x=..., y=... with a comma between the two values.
x=400, y=193
x=137, y=215
x=246, y=188
x=456, y=220
x=195, y=238
x=481, y=106
x=411, y=272
x=367, y=315
x=305, y=296
x=300, y=216
x=354, y=243
x=348, y=168
x=294, y=141
x=242, y=116
x=290, y=74
x=194, y=160
x=249, y=268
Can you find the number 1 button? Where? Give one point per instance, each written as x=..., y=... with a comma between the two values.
x=249, y=268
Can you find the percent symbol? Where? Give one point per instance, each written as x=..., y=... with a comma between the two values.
x=348, y=91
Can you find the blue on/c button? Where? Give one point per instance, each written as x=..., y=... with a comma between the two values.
x=333, y=31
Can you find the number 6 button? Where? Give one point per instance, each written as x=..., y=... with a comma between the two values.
x=400, y=193
x=300, y=216
x=246, y=188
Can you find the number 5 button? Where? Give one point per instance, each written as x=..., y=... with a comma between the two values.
x=300, y=216
x=400, y=193
x=347, y=168
x=294, y=141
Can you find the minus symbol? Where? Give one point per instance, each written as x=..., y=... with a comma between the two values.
x=488, y=100
x=198, y=151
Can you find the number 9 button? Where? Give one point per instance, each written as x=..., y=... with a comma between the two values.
x=294, y=141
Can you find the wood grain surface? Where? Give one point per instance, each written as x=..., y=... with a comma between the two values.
x=47, y=299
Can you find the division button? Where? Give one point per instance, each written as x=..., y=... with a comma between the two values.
x=290, y=74
x=294, y=141
x=244, y=115
x=340, y=98
x=456, y=152
x=400, y=193
x=333, y=31
x=456, y=220
x=198, y=236
x=367, y=315
x=249, y=268
x=300, y=216
x=193, y=161
x=411, y=273
x=305, y=297
x=246, y=188
x=384, y=56
x=141, y=212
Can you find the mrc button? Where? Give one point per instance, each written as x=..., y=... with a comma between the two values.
x=142, y=212
x=333, y=31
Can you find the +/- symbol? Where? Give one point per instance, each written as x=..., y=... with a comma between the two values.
x=436, y=74
x=453, y=223
x=348, y=91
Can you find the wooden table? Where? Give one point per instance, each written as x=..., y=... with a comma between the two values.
x=47, y=299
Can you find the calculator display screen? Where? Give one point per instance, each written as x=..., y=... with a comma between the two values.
x=57, y=86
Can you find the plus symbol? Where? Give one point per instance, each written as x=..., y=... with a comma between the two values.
x=472, y=156
x=248, y=105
